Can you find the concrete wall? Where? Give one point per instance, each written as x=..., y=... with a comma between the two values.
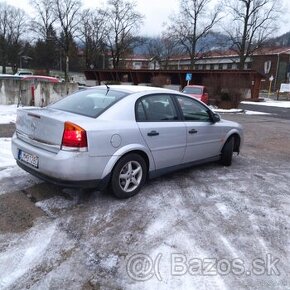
x=13, y=91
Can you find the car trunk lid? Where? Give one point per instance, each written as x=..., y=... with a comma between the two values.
x=43, y=127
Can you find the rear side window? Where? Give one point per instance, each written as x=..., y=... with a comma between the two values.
x=156, y=108
x=90, y=103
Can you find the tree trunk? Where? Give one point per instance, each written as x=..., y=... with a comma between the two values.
x=66, y=68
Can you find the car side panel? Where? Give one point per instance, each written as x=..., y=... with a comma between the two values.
x=168, y=147
x=107, y=138
x=203, y=144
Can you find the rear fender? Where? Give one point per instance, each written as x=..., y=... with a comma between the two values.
x=125, y=150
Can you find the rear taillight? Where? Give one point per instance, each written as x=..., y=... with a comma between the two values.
x=74, y=138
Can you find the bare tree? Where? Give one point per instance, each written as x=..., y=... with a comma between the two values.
x=192, y=24
x=44, y=18
x=47, y=53
x=123, y=23
x=92, y=34
x=252, y=22
x=67, y=13
x=155, y=50
x=12, y=26
x=161, y=50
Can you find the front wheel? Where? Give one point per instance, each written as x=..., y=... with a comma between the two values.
x=227, y=152
x=128, y=176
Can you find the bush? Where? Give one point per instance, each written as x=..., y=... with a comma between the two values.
x=225, y=97
x=160, y=81
x=231, y=89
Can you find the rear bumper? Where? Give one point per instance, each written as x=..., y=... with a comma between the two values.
x=69, y=169
x=98, y=184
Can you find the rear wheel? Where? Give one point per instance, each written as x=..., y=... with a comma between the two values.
x=227, y=152
x=128, y=176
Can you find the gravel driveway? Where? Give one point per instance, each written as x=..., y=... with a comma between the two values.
x=209, y=227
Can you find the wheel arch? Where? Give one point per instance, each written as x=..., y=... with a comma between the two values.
x=139, y=152
x=237, y=141
x=150, y=165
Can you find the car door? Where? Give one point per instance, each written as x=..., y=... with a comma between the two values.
x=161, y=128
x=203, y=137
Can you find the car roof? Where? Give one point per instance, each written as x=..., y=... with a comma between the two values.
x=134, y=89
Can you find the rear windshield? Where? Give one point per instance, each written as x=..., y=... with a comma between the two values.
x=90, y=102
x=192, y=90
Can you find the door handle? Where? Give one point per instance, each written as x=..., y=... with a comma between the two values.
x=153, y=133
x=192, y=131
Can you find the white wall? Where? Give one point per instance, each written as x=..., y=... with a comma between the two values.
x=16, y=91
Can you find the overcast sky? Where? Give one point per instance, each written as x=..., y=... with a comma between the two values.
x=156, y=12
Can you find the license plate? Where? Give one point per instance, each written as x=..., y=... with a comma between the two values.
x=28, y=158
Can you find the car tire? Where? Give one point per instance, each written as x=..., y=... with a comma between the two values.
x=128, y=176
x=227, y=152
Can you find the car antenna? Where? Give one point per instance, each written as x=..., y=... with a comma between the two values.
x=108, y=88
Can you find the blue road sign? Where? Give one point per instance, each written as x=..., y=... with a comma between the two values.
x=188, y=77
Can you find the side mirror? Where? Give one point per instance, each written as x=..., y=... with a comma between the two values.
x=215, y=117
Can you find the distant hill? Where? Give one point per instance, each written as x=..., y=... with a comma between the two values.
x=281, y=41
x=212, y=41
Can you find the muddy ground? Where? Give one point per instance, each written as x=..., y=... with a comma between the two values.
x=187, y=230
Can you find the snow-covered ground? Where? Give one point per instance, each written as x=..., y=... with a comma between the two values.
x=269, y=102
x=6, y=157
x=11, y=176
x=8, y=114
x=238, y=111
x=208, y=216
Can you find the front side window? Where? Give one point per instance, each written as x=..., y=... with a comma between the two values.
x=192, y=110
x=156, y=108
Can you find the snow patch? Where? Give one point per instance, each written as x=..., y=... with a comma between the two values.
x=184, y=245
x=239, y=111
x=217, y=110
x=158, y=226
x=110, y=262
x=14, y=178
x=270, y=103
x=230, y=248
x=8, y=114
x=256, y=113
x=224, y=210
x=25, y=255
x=6, y=157
x=55, y=203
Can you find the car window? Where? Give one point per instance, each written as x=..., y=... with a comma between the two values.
x=90, y=103
x=192, y=110
x=192, y=90
x=140, y=112
x=156, y=108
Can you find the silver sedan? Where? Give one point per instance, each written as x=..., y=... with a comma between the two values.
x=119, y=136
